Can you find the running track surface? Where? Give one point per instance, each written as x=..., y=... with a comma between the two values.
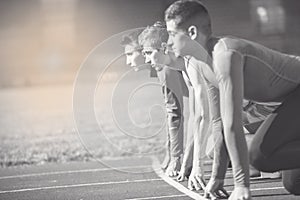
x=127, y=178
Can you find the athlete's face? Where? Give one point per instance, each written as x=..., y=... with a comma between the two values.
x=134, y=58
x=156, y=57
x=178, y=40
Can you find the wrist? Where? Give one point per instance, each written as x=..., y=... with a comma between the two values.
x=198, y=169
x=242, y=182
x=185, y=164
x=215, y=178
x=242, y=185
x=198, y=163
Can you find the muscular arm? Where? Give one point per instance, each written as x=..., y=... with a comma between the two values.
x=229, y=73
x=201, y=118
x=221, y=158
x=201, y=126
x=189, y=147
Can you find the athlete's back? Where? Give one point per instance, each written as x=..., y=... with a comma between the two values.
x=268, y=74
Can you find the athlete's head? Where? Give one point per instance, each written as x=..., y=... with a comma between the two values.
x=187, y=20
x=153, y=40
x=133, y=50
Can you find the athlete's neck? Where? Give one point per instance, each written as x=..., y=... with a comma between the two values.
x=210, y=44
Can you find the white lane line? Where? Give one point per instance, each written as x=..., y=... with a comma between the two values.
x=261, y=189
x=175, y=184
x=184, y=195
x=73, y=171
x=270, y=188
x=159, y=197
x=78, y=185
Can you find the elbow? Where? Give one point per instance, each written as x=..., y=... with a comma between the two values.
x=203, y=119
x=233, y=130
x=197, y=119
x=228, y=128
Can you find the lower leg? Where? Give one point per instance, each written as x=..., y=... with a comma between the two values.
x=253, y=172
x=291, y=181
x=167, y=158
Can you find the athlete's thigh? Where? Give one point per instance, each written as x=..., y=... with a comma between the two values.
x=281, y=127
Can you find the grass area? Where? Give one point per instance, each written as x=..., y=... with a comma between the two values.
x=41, y=150
x=37, y=127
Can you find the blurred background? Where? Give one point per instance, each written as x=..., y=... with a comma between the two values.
x=44, y=42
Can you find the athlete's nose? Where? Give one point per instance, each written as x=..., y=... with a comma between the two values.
x=170, y=42
x=128, y=62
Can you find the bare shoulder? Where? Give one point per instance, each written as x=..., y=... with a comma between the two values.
x=194, y=72
x=226, y=62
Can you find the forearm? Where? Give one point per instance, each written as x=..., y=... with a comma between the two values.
x=200, y=141
x=197, y=144
x=189, y=147
x=221, y=158
x=174, y=122
x=188, y=154
x=238, y=152
x=235, y=141
x=230, y=77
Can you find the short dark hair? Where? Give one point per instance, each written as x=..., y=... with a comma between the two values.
x=185, y=11
x=132, y=39
x=154, y=35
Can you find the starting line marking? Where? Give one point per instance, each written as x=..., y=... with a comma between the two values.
x=155, y=167
x=183, y=189
x=174, y=183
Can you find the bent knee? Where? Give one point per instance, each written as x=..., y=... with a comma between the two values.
x=256, y=158
x=292, y=185
x=259, y=161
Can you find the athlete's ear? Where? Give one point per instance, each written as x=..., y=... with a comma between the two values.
x=192, y=30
